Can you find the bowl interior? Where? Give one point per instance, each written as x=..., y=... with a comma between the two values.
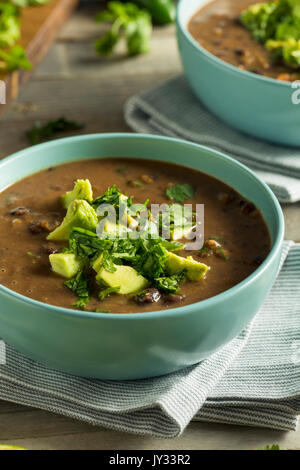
x=201, y=158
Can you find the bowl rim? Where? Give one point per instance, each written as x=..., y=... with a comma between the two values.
x=176, y=311
x=201, y=50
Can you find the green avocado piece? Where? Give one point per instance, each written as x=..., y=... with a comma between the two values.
x=82, y=190
x=97, y=265
x=125, y=277
x=65, y=264
x=79, y=214
x=194, y=270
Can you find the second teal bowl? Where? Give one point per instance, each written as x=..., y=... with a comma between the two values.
x=125, y=346
x=255, y=105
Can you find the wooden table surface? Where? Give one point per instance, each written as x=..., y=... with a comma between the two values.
x=72, y=81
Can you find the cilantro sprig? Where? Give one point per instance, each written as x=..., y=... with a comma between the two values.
x=128, y=22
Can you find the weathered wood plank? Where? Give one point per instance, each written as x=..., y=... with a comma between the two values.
x=51, y=432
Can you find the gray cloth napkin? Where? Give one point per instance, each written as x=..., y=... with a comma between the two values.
x=254, y=380
x=172, y=109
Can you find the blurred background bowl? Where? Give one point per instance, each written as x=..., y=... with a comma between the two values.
x=251, y=103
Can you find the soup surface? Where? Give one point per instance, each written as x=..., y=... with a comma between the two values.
x=31, y=208
x=217, y=28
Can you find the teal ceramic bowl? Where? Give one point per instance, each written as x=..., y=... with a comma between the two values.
x=124, y=346
x=255, y=105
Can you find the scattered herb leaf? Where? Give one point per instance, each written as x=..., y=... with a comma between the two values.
x=41, y=132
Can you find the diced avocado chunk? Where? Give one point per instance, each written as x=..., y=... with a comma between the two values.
x=113, y=230
x=125, y=277
x=82, y=190
x=131, y=221
x=80, y=214
x=194, y=270
x=65, y=264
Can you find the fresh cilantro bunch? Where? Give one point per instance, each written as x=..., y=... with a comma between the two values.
x=147, y=256
x=128, y=21
x=277, y=26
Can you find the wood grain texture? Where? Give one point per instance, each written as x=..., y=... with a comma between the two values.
x=38, y=29
x=73, y=81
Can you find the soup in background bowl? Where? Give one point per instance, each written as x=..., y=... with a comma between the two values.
x=134, y=338
x=217, y=70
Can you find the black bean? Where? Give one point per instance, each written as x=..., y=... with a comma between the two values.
x=173, y=299
x=40, y=226
x=19, y=211
x=148, y=297
x=248, y=208
x=50, y=249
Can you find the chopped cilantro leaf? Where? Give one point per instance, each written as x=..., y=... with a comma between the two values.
x=129, y=22
x=86, y=244
x=180, y=192
x=111, y=196
x=170, y=284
